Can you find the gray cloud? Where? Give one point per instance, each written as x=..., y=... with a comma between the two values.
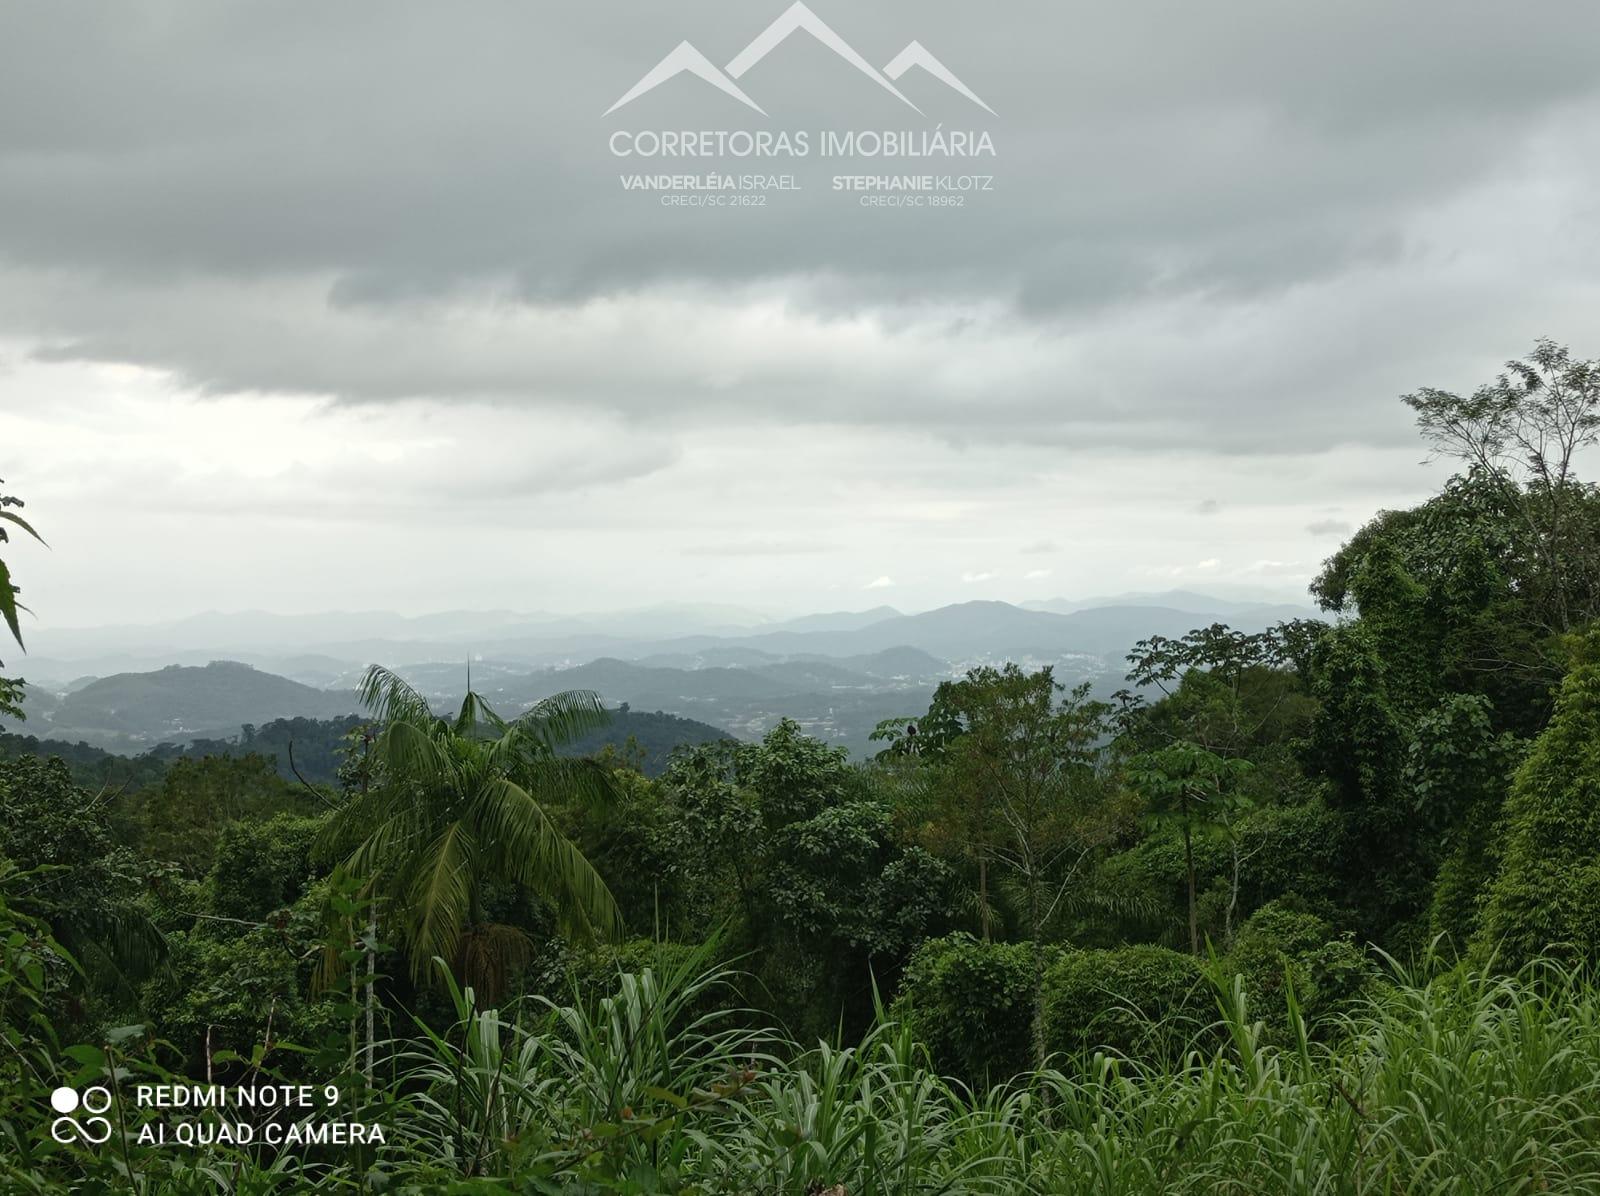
x=1328, y=527
x=415, y=201
x=1223, y=239
x=759, y=548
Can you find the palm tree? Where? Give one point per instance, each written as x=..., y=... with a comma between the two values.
x=458, y=802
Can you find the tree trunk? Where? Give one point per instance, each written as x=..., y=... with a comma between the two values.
x=1188, y=860
x=371, y=997
x=1036, y=936
x=1233, y=898
x=983, y=893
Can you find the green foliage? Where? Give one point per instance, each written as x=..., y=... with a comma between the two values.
x=91, y=767
x=301, y=749
x=263, y=866
x=1461, y=1084
x=181, y=820
x=797, y=851
x=646, y=739
x=1280, y=948
x=841, y=875
x=1459, y=771
x=1521, y=436
x=1142, y=1002
x=1199, y=791
x=1547, y=894
x=594, y=968
x=1294, y=851
x=631, y=841
x=228, y=986
x=81, y=883
x=1012, y=773
x=1399, y=774
x=11, y=691
x=970, y=1004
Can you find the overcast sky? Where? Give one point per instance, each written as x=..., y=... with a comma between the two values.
x=309, y=307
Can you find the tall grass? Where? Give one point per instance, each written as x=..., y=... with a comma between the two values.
x=1458, y=1083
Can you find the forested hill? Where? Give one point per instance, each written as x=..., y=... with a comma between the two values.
x=181, y=703
x=645, y=740
x=312, y=749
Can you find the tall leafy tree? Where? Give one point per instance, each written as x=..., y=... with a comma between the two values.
x=796, y=850
x=1198, y=790
x=1522, y=433
x=459, y=803
x=1023, y=781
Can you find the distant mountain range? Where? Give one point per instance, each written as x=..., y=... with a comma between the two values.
x=836, y=673
x=1184, y=600
x=978, y=632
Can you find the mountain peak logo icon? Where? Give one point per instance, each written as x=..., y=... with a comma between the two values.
x=916, y=55
x=685, y=58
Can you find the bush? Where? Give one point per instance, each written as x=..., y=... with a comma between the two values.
x=262, y=867
x=594, y=971
x=1280, y=945
x=1143, y=1002
x=971, y=1004
x=246, y=985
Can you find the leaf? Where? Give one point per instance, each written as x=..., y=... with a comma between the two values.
x=672, y=1098
x=8, y=604
x=9, y=517
x=87, y=1054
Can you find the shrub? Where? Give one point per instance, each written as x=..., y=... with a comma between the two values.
x=262, y=866
x=1144, y=1002
x=236, y=987
x=1279, y=945
x=971, y=1004
x=595, y=971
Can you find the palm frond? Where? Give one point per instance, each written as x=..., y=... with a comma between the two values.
x=533, y=852
x=562, y=717
x=440, y=896
x=476, y=713
x=411, y=750
x=568, y=780
x=391, y=698
x=12, y=517
x=390, y=847
x=8, y=604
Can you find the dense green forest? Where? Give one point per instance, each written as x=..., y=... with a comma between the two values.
x=1308, y=910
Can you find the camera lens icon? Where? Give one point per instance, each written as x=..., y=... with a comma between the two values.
x=92, y=1129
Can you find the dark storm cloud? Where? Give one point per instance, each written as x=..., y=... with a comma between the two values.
x=1236, y=225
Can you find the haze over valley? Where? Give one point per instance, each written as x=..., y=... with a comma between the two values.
x=837, y=674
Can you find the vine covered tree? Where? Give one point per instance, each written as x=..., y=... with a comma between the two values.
x=1546, y=898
